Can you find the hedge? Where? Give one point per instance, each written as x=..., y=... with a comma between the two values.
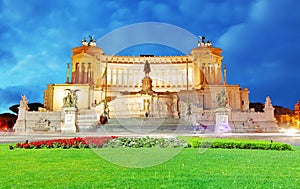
x=233, y=143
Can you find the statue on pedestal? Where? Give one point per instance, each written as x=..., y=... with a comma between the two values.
x=20, y=125
x=71, y=99
x=147, y=68
x=24, y=103
x=147, y=81
x=92, y=41
x=70, y=112
x=221, y=100
x=221, y=113
x=84, y=42
x=268, y=102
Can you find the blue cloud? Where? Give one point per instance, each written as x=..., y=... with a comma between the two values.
x=264, y=49
x=260, y=39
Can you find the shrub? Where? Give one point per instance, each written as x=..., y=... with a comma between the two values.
x=228, y=143
x=145, y=142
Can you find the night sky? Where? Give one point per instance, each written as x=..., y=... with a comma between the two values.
x=260, y=40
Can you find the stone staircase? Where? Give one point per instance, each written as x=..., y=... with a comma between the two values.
x=149, y=125
x=87, y=121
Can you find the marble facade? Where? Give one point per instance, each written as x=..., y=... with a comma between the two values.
x=174, y=83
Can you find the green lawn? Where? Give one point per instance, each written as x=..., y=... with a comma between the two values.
x=84, y=168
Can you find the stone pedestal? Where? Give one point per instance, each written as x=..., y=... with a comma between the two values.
x=70, y=120
x=222, y=124
x=270, y=124
x=20, y=125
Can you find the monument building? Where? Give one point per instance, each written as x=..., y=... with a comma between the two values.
x=148, y=86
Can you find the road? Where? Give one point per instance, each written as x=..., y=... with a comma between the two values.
x=6, y=137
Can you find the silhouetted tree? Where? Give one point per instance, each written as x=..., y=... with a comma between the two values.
x=32, y=107
x=279, y=110
x=258, y=107
x=14, y=108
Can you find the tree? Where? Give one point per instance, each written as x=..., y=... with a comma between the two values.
x=32, y=107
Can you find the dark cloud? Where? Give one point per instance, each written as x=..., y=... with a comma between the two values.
x=261, y=52
x=12, y=95
x=212, y=18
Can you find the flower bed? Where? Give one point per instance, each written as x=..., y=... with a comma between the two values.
x=77, y=142
x=101, y=142
x=150, y=142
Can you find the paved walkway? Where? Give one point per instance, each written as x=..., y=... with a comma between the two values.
x=6, y=137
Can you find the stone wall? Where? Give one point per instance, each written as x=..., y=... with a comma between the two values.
x=252, y=122
x=43, y=121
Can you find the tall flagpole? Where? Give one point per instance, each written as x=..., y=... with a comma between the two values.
x=105, y=80
x=106, y=111
x=105, y=115
x=187, y=89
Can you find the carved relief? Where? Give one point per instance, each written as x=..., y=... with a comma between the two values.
x=170, y=106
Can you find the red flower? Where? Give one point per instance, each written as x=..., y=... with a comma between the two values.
x=76, y=142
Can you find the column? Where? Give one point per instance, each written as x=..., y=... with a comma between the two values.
x=175, y=78
x=156, y=78
x=211, y=73
x=89, y=74
x=129, y=78
x=125, y=77
x=76, y=74
x=219, y=76
x=133, y=78
x=122, y=77
x=191, y=77
x=80, y=73
x=92, y=76
x=117, y=77
x=137, y=77
x=111, y=76
x=141, y=77
x=168, y=76
x=163, y=78
x=202, y=75
x=183, y=77
x=207, y=73
x=214, y=73
x=83, y=73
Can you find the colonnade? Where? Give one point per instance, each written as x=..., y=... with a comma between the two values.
x=83, y=74
x=163, y=76
x=212, y=72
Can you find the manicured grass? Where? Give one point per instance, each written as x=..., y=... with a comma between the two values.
x=214, y=168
